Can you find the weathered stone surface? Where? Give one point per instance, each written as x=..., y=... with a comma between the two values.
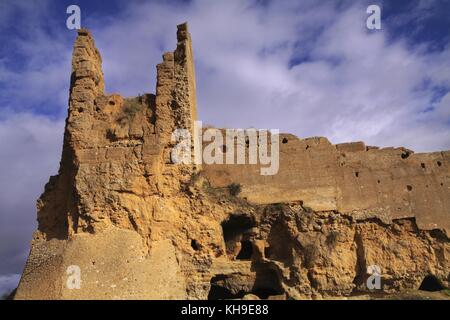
x=140, y=227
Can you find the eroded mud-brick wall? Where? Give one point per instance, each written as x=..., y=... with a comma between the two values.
x=351, y=178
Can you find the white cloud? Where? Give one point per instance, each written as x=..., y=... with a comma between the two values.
x=8, y=283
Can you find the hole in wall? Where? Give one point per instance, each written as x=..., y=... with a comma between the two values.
x=378, y=181
x=409, y=188
x=422, y=165
x=279, y=244
x=195, y=245
x=439, y=163
x=285, y=140
x=224, y=149
x=431, y=283
x=405, y=154
x=246, y=251
x=111, y=103
x=236, y=225
x=307, y=147
x=357, y=174
x=234, y=230
x=267, y=251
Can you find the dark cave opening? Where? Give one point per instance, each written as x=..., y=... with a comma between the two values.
x=195, y=245
x=430, y=283
x=246, y=251
x=236, y=233
x=236, y=225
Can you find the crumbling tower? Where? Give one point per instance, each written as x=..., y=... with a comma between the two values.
x=176, y=103
x=115, y=175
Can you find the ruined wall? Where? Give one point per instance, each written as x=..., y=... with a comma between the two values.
x=389, y=183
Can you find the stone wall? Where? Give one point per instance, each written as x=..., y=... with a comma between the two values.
x=351, y=178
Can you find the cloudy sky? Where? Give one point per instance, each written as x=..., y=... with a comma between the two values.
x=306, y=67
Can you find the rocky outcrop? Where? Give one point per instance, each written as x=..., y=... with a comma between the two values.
x=138, y=226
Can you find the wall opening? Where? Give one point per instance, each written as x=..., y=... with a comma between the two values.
x=279, y=244
x=422, y=165
x=236, y=238
x=246, y=251
x=409, y=188
x=285, y=140
x=236, y=225
x=431, y=283
x=439, y=163
x=405, y=154
x=195, y=245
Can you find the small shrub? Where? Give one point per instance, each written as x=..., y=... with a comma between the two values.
x=332, y=239
x=278, y=206
x=234, y=189
x=209, y=188
x=131, y=108
x=194, y=178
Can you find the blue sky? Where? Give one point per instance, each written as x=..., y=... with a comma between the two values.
x=306, y=67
